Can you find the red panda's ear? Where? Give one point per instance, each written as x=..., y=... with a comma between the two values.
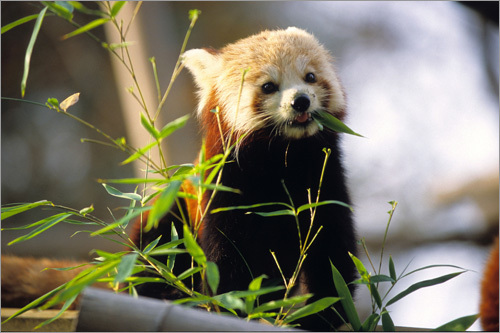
x=205, y=65
x=202, y=63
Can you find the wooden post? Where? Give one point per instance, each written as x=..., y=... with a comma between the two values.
x=106, y=311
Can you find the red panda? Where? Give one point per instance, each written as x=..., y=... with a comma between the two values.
x=291, y=77
x=281, y=157
x=488, y=309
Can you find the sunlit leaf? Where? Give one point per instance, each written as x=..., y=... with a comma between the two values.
x=162, y=205
x=47, y=223
x=312, y=308
x=29, y=49
x=423, y=284
x=89, y=26
x=11, y=211
x=124, y=269
x=70, y=101
x=213, y=276
x=116, y=7
x=193, y=248
x=116, y=193
x=328, y=120
x=16, y=23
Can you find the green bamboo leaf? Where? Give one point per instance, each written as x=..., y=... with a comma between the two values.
x=116, y=8
x=261, y=291
x=275, y=213
x=47, y=223
x=361, y=268
x=83, y=9
x=162, y=205
x=255, y=284
x=81, y=281
x=328, y=120
x=381, y=278
x=370, y=323
x=116, y=193
x=432, y=266
x=346, y=298
x=174, y=239
x=423, y=284
x=173, y=126
x=189, y=272
x=322, y=203
x=125, y=267
x=457, y=325
x=151, y=246
x=29, y=50
x=387, y=322
x=16, y=23
x=312, y=308
x=89, y=26
x=121, y=222
x=66, y=305
x=62, y=8
x=224, y=209
x=193, y=248
x=282, y=303
x=213, y=276
x=375, y=294
x=392, y=270
x=139, y=153
x=17, y=209
x=149, y=127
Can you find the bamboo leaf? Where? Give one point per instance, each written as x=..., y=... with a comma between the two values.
x=312, y=308
x=16, y=23
x=282, y=303
x=328, y=120
x=162, y=205
x=89, y=26
x=370, y=323
x=61, y=8
x=224, y=209
x=149, y=127
x=116, y=193
x=387, y=322
x=125, y=267
x=457, y=325
x=116, y=8
x=213, y=276
x=17, y=209
x=188, y=272
x=392, y=270
x=346, y=298
x=322, y=203
x=173, y=126
x=193, y=248
x=47, y=223
x=275, y=213
x=423, y=284
x=139, y=153
x=29, y=49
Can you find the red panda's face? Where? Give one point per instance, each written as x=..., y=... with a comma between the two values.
x=290, y=77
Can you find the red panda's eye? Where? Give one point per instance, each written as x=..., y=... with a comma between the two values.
x=269, y=88
x=310, y=78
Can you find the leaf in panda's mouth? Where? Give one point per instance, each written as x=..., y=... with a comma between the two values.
x=324, y=118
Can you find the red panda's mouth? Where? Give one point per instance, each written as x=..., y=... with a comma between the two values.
x=302, y=119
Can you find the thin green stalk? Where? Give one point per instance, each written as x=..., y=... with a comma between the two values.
x=178, y=65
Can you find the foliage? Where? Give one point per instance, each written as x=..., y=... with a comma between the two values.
x=120, y=270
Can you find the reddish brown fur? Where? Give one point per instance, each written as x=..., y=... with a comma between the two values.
x=488, y=310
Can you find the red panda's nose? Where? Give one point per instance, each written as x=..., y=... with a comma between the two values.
x=301, y=103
